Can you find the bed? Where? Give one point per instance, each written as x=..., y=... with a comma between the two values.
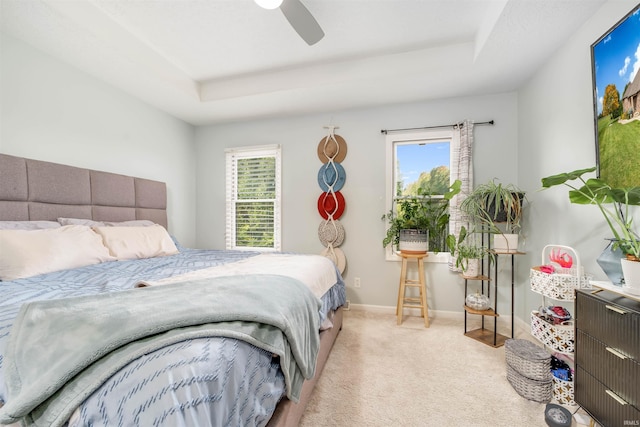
x=143, y=331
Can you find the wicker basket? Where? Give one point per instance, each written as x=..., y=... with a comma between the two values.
x=538, y=391
x=558, y=337
x=563, y=391
x=561, y=284
x=528, y=359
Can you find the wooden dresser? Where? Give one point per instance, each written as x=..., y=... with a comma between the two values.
x=607, y=357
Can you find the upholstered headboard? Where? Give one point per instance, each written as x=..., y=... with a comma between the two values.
x=33, y=190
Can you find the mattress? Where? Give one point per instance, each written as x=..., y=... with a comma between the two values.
x=210, y=380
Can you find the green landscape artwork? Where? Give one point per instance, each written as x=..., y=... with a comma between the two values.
x=616, y=74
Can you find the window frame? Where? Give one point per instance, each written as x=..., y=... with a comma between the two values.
x=434, y=135
x=232, y=155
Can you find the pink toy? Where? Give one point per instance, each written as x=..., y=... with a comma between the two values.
x=561, y=258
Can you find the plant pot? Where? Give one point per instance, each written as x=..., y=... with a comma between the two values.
x=609, y=262
x=506, y=242
x=413, y=241
x=501, y=215
x=472, y=268
x=631, y=273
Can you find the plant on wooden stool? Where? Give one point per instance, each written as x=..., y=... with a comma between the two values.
x=424, y=213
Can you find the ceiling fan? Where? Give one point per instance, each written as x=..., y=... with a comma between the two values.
x=298, y=16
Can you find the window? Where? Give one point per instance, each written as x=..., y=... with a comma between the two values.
x=418, y=165
x=253, y=198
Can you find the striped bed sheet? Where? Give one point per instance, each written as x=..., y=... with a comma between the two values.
x=202, y=381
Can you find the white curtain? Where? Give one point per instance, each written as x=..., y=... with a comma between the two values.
x=462, y=169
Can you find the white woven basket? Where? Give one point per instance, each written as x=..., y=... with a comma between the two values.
x=563, y=391
x=561, y=284
x=558, y=337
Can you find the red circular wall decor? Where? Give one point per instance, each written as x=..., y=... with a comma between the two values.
x=331, y=205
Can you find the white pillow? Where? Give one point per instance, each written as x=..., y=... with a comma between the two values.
x=26, y=253
x=137, y=242
x=28, y=225
x=92, y=223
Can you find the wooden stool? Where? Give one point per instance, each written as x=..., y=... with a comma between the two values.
x=421, y=284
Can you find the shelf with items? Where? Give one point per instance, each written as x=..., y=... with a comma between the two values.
x=557, y=279
x=558, y=337
x=482, y=334
x=490, y=336
x=479, y=304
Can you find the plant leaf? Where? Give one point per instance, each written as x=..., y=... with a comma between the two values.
x=561, y=178
x=629, y=196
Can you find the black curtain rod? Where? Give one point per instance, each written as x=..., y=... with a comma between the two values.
x=454, y=125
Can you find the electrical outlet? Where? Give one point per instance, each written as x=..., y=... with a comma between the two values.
x=356, y=282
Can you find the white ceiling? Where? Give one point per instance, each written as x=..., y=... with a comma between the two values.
x=214, y=61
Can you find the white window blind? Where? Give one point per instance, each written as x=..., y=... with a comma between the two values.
x=253, y=198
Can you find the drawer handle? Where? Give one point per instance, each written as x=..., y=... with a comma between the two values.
x=616, y=309
x=615, y=353
x=616, y=397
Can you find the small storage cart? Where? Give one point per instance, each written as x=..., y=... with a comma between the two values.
x=557, y=279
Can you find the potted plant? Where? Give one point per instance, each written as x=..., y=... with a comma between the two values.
x=614, y=204
x=468, y=255
x=496, y=208
x=418, y=220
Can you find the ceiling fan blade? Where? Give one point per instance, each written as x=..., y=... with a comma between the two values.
x=302, y=21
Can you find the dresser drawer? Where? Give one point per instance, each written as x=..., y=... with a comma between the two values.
x=593, y=396
x=606, y=364
x=610, y=319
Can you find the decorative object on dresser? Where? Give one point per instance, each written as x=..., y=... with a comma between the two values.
x=557, y=278
x=608, y=356
x=615, y=205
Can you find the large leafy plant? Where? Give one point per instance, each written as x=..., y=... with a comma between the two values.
x=489, y=201
x=614, y=204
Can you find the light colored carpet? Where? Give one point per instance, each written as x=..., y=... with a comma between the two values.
x=382, y=374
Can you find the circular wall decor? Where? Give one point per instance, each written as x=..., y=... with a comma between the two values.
x=331, y=205
x=332, y=147
x=332, y=175
x=331, y=233
x=337, y=256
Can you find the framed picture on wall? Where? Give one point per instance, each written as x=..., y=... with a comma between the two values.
x=615, y=65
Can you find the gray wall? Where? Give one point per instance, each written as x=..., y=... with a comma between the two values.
x=556, y=134
x=54, y=112
x=364, y=191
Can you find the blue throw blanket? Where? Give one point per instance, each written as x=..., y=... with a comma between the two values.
x=60, y=351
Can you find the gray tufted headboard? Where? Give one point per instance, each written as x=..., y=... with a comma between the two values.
x=33, y=190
